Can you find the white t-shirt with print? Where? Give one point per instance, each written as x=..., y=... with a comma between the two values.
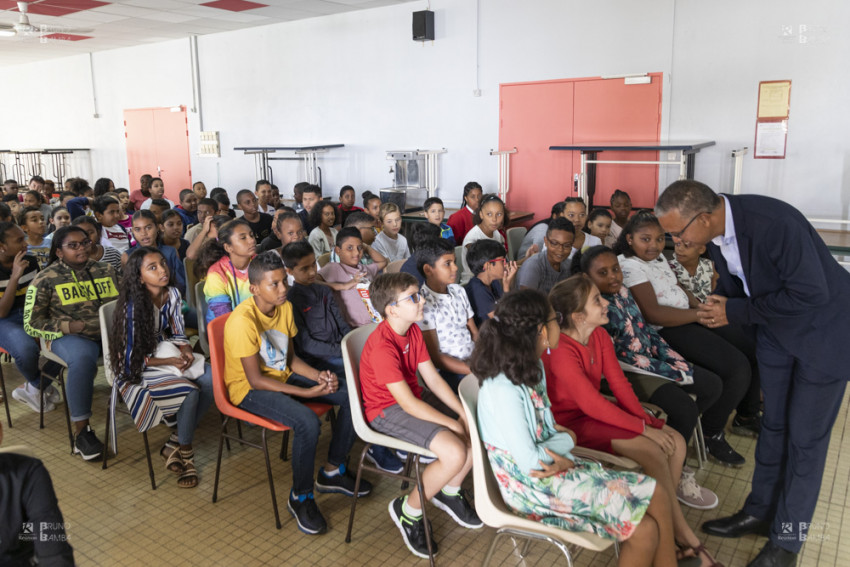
x=660, y=275
x=448, y=313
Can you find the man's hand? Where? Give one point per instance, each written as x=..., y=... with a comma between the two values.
x=712, y=313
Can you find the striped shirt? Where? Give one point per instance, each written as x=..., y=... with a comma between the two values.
x=23, y=282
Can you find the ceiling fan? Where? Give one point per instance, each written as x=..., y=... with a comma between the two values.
x=23, y=28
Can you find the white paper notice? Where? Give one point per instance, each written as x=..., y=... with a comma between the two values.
x=770, y=139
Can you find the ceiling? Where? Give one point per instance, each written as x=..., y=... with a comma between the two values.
x=83, y=26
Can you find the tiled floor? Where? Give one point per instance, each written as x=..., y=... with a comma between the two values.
x=114, y=518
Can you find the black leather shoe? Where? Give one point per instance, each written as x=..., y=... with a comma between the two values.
x=771, y=555
x=737, y=525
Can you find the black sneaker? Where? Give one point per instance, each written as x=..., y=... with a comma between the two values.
x=384, y=459
x=721, y=452
x=303, y=508
x=746, y=426
x=413, y=531
x=459, y=508
x=87, y=445
x=342, y=483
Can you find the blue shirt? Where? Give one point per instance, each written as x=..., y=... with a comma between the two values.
x=728, y=244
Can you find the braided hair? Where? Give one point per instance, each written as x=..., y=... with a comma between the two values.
x=507, y=343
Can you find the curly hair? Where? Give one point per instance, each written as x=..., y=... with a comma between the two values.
x=315, y=218
x=135, y=312
x=507, y=343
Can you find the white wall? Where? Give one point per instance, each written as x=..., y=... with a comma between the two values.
x=358, y=79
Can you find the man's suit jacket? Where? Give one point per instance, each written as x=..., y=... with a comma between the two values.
x=798, y=291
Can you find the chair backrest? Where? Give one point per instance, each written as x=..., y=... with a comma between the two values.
x=107, y=314
x=352, y=346
x=394, y=267
x=191, y=280
x=324, y=259
x=459, y=261
x=515, y=236
x=201, y=308
x=215, y=334
x=488, y=500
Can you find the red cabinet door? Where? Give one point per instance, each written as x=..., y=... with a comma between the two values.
x=158, y=144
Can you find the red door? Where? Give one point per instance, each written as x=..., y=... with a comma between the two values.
x=158, y=144
x=534, y=116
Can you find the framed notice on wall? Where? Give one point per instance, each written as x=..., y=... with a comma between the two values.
x=774, y=107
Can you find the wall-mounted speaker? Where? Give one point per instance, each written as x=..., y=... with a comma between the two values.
x=423, y=25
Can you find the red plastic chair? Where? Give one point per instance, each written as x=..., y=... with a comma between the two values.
x=215, y=336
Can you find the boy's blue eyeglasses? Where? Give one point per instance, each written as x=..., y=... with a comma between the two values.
x=414, y=297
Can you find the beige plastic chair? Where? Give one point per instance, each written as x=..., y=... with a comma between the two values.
x=24, y=450
x=107, y=313
x=515, y=236
x=191, y=280
x=394, y=267
x=352, y=347
x=324, y=259
x=459, y=261
x=492, y=509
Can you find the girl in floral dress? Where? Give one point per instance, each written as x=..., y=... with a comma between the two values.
x=530, y=454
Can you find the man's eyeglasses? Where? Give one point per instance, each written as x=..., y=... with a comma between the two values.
x=414, y=297
x=77, y=244
x=681, y=232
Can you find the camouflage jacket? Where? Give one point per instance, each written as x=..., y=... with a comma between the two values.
x=59, y=295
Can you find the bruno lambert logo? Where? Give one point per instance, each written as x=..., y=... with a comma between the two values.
x=27, y=532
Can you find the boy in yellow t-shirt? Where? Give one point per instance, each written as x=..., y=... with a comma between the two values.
x=263, y=376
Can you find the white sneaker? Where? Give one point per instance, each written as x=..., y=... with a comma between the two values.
x=24, y=395
x=693, y=495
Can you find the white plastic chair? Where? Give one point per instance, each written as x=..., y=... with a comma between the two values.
x=492, y=509
x=107, y=313
x=515, y=236
x=352, y=347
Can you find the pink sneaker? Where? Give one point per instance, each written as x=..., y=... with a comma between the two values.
x=692, y=494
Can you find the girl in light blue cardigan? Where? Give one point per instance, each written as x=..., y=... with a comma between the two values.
x=530, y=454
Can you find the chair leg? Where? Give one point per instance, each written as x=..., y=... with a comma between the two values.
x=5, y=398
x=284, y=447
x=108, y=428
x=218, y=460
x=67, y=409
x=226, y=441
x=148, y=455
x=422, y=500
x=41, y=398
x=406, y=471
x=356, y=490
x=239, y=428
x=271, y=480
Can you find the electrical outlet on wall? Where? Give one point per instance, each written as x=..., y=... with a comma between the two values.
x=476, y=92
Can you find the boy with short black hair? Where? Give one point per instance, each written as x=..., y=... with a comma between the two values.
x=261, y=223
x=354, y=296
x=346, y=203
x=32, y=223
x=206, y=208
x=492, y=275
x=264, y=377
x=159, y=206
x=107, y=211
x=396, y=405
x=310, y=195
x=298, y=195
x=188, y=209
x=543, y=270
x=64, y=197
x=5, y=213
x=219, y=195
x=11, y=200
x=33, y=198
x=420, y=233
x=435, y=213
x=448, y=326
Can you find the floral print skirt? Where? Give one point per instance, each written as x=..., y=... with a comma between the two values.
x=586, y=498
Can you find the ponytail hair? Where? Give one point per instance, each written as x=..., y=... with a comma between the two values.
x=582, y=260
x=507, y=343
x=595, y=214
x=637, y=222
x=213, y=249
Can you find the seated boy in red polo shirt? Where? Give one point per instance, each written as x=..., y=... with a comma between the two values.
x=397, y=405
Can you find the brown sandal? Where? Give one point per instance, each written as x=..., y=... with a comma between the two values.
x=189, y=476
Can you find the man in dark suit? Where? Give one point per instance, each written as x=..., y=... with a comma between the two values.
x=776, y=275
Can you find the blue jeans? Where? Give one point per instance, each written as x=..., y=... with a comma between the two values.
x=306, y=426
x=452, y=379
x=80, y=354
x=20, y=346
x=194, y=407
